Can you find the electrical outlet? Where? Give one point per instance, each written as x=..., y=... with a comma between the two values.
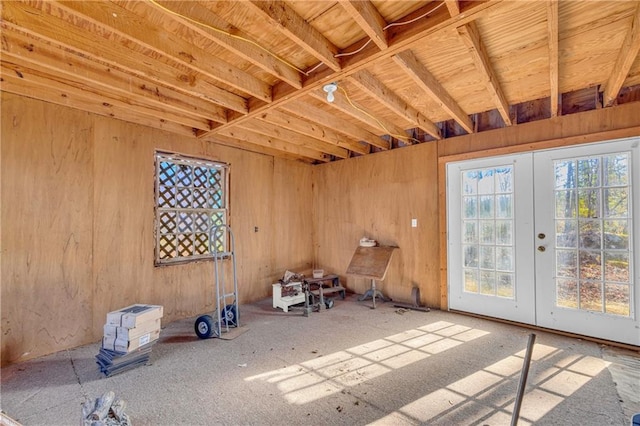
x=414, y=223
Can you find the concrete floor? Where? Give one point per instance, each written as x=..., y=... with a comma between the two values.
x=348, y=365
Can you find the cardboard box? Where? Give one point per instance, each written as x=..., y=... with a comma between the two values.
x=134, y=315
x=124, y=345
x=116, y=331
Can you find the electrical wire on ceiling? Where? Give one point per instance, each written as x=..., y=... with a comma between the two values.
x=401, y=137
x=393, y=24
x=284, y=61
x=218, y=30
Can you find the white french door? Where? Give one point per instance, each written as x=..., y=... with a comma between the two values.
x=548, y=238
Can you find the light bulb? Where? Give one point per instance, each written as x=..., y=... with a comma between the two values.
x=330, y=88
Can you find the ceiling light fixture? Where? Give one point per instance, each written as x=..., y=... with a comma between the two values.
x=330, y=89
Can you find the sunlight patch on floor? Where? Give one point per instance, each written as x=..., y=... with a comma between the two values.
x=319, y=377
x=487, y=396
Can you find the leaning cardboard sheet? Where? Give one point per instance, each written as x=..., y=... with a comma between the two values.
x=129, y=335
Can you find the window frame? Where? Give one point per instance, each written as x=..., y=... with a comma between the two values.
x=190, y=210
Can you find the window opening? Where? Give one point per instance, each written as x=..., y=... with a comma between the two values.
x=191, y=198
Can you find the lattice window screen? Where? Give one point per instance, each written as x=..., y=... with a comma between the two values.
x=191, y=199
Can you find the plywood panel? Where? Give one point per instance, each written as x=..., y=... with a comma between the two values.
x=78, y=225
x=47, y=191
x=292, y=239
x=376, y=197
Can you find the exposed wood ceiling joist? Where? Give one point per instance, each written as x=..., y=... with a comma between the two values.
x=293, y=26
x=367, y=82
x=337, y=122
x=368, y=18
x=471, y=37
x=430, y=85
x=266, y=128
x=626, y=57
x=250, y=73
x=349, y=108
x=211, y=27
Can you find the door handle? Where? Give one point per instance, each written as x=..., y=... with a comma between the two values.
x=541, y=236
x=541, y=248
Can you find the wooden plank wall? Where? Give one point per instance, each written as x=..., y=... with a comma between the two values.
x=77, y=225
x=47, y=217
x=377, y=196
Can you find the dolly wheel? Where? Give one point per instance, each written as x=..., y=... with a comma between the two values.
x=205, y=327
x=230, y=316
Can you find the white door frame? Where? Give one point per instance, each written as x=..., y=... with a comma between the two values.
x=521, y=307
x=540, y=293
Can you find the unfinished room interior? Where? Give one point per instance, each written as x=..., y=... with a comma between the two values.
x=321, y=212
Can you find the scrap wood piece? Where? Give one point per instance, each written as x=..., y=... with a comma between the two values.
x=106, y=410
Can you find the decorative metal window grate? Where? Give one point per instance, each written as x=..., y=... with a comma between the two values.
x=191, y=199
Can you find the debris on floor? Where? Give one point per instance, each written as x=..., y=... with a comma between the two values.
x=105, y=411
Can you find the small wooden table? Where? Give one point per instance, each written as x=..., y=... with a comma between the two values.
x=322, y=291
x=372, y=263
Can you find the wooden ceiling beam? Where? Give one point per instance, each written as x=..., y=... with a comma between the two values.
x=260, y=149
x=453, y=7
x=328, y=119
x=18, y=49
x=554, y=60
x=85, y=101
x=274, y=131
x=308, y=128
x=274, y=143
x=374, y=87
x=430, y=85
x=626, y=57
x=178, y=11
x=368, y=18
x=380, y=125
x=40, y=25
x=471, y=37
x=292, y=25
x=136, y=30
x=85, y=91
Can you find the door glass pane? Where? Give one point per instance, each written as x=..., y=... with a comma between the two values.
x=592, y=233
x=488, y=249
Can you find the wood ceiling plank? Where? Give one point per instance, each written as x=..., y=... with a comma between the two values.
x=12, y=83
x=72, y=87
x=554, y=60
x=269, y=142
x=368, y=18
x=430, y=85
x=626, y=57
x=306, y=127
x=471, y=37
x=289, y=23
x=374, y=87
x=268, y=129
x=42, y=24
x=227, y=36
x=325, y=118
x=135, y=30
x=20, y=49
